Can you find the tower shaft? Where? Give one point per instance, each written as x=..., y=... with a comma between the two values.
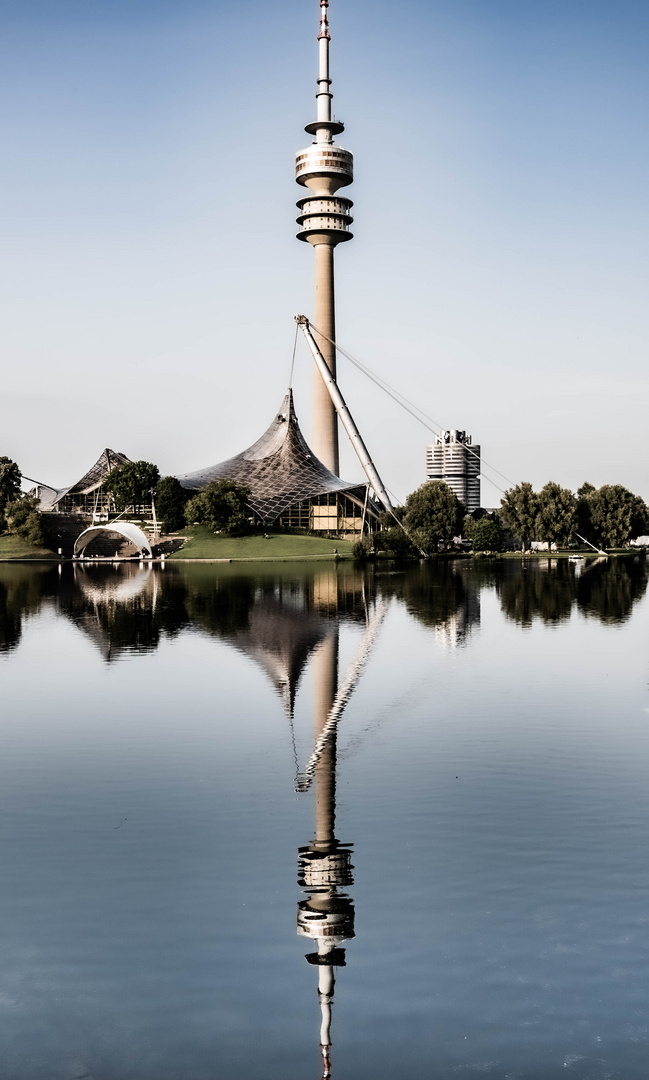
x=324, y=220
x=324, y=438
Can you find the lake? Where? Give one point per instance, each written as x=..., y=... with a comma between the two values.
x=365, y=821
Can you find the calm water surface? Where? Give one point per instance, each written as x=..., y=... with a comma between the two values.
x=399, y=814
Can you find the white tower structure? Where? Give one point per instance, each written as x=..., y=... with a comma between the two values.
x=453, y=459
x=324, y=220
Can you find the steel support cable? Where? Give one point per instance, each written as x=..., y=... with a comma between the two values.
x=423, y=418
x=410, y=406
x=292, y=727
x=350, y=427
x=347, y=687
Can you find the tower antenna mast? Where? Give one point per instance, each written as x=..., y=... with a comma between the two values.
x=324, y=219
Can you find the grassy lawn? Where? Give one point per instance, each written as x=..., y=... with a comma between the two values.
x=14, y=547
x=203, y=544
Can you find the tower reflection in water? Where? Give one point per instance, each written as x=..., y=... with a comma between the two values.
x=290, y=622
x=325, y=866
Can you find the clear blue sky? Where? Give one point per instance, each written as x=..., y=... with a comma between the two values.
x=498, y=274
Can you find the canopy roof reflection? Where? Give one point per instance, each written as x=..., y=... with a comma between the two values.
x=281, y=634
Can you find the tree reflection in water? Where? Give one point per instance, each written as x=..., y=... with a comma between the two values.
x=536, y=590
x=22, y=588
x=281, y=614
x=443, y=596
x=285, y=618
x=549, y=589
x=608, y=590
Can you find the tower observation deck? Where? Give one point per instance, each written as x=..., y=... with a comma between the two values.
x=324, y=219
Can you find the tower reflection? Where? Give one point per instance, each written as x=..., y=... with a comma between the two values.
x=290, y=624
x=324, y=866
x=326, y=915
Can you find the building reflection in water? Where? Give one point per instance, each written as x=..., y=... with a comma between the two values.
x=325, y=866
x=288, y=626
x=280, y=618
x=444, y=596
x=285, y=619
x=291, y=622
x=457, y=627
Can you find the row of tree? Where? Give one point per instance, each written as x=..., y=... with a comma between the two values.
x=222, y=504
x=433, y=517
x=608, y=516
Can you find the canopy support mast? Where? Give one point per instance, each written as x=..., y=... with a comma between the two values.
x=345, y=416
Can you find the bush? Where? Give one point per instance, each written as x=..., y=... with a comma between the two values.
x=24, y=518
x=363, y=548
x=396, y=543
x=487, y=535
x=223, y=505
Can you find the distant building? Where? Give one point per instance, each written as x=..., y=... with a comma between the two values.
x=453, y=459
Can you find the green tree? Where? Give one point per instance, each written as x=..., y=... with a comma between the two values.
x=470, y=520
x=10, y=478
x=616, y=515
x=223, y=505
x=433, y=515
x=556, y=515
x=395, y=542
x=131, y=484
x=584, y=523
x=468, y=525
x=518, y=510
x=487, y=535
x=24, y=518
x=392, y=537
x=170, y=500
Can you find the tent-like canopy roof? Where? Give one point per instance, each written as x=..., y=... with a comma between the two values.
x=105, y=463
x=90, y=481
x=279, y=469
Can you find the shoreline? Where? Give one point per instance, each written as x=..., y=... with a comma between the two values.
x=328, y=557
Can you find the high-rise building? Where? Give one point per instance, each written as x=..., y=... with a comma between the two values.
x=453, y=459
x=324, y=219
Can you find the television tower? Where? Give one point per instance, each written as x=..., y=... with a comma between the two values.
x=324, y=221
